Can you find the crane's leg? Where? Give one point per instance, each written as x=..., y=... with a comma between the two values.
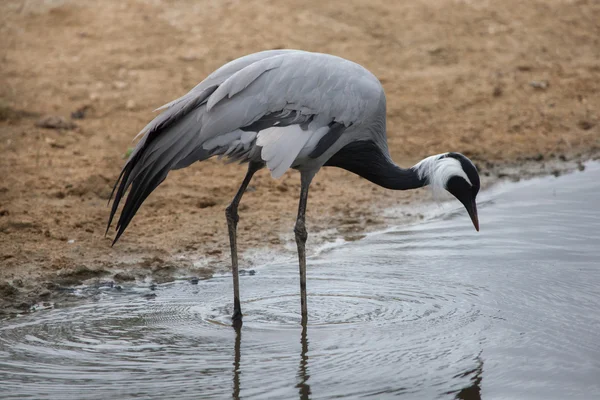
x=232, y=220
x=301, y=236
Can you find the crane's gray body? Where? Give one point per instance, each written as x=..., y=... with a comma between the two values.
x=315, y=89
x=279, y=108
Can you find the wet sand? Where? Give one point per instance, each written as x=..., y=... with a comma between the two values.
x=512, y=85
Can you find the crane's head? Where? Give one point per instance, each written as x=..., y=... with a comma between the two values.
x=456, y=174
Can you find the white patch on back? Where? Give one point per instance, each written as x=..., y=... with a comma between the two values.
x=438, y=171
x=281, y=146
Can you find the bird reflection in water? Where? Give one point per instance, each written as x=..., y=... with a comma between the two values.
x=473, y=391
x=236, y=361
x=303, y=376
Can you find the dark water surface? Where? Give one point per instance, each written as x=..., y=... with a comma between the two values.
x=433, y=310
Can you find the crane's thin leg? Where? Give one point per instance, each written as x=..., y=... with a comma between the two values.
x=232, y=220
x=301, y=236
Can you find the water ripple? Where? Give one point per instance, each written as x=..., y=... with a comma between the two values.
x=182, y=337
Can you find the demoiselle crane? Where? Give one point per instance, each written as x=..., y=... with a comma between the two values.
x=283, y=109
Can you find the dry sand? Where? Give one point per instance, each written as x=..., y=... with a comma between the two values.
x=502, y=82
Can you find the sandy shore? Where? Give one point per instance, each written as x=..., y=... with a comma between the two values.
x=514, y=85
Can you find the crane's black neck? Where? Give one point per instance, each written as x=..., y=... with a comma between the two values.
x=368, y=160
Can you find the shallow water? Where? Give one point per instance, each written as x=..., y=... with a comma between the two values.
x=433, y=310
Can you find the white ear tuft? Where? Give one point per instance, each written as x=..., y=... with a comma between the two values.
x=437, y=170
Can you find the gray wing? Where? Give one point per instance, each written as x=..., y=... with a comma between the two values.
x=322, y=91
x=309, y=83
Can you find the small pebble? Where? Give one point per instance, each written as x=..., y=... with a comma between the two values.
x=55, y=122
x=119, y=85
x=188, y=57
x=130, y=105
x=80, y=113
x=585, y=125
x=542, y=85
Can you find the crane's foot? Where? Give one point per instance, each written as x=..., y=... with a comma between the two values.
x=237, y=315
x=236, y=320
x=237, y=324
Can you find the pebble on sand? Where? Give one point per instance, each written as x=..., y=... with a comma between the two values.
x=55, y=122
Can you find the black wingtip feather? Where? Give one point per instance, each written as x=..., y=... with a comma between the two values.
x=138, y=193
x=144, y=181
x=147, y=175
x=117, y=200
x=122, y=184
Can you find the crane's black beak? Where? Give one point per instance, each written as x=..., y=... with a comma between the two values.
x=471, y=207
x=464, y=192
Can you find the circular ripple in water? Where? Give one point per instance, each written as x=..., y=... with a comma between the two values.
x=373, y=330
